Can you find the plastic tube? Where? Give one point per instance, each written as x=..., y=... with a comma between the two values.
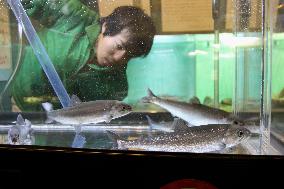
x=40, y=51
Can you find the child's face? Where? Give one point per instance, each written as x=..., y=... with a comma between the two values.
x=110, y=49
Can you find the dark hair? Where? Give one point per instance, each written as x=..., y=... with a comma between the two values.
x=140, y=26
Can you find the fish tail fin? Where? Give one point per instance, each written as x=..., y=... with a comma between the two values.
x=149, y=98
x=20, y=120
x=47, y=107
x=115, y=139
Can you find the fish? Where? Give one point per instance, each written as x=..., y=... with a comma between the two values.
x=170, y=126
x=211, y=138
x=21, y=133
x=91, y=112
x=79, y=140
x=193, y=112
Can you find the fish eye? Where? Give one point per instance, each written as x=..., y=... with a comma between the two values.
x=235, y=122
x=240, y=133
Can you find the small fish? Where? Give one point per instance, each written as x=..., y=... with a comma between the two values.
x=207, y=138
x=79, y=113
x=79, y=140
x=194, y=113
x=21, y=133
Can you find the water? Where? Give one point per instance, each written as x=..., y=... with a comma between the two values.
x=96, y=137
x=63, y=136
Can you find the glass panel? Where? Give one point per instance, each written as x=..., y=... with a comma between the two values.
x=276, y=34
x=248, y=64
x=163, y=75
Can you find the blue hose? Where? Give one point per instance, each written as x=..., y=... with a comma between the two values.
x=40, y=51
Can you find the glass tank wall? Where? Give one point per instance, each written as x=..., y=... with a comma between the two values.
x=211, y=82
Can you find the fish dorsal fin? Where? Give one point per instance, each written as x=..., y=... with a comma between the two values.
x=207, y=100
x=180, y=125
x=149, y=98
x=150, y=93
x=20, y=120
x=74, y=100
x=194, y=100
x=174, y=123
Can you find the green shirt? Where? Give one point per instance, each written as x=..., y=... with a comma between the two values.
x=69, y=32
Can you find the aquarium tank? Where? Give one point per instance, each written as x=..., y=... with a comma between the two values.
x=149, y=75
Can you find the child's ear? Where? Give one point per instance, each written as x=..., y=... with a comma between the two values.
x=103, y=27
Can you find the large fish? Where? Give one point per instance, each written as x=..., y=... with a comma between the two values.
x=87, y=112
x=194, y=113
x=207, y=138
x=21, y=133
x=170, y=126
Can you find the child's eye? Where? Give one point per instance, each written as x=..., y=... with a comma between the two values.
x=119, y=47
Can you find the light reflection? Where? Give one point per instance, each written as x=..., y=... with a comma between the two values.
x=233, y=41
